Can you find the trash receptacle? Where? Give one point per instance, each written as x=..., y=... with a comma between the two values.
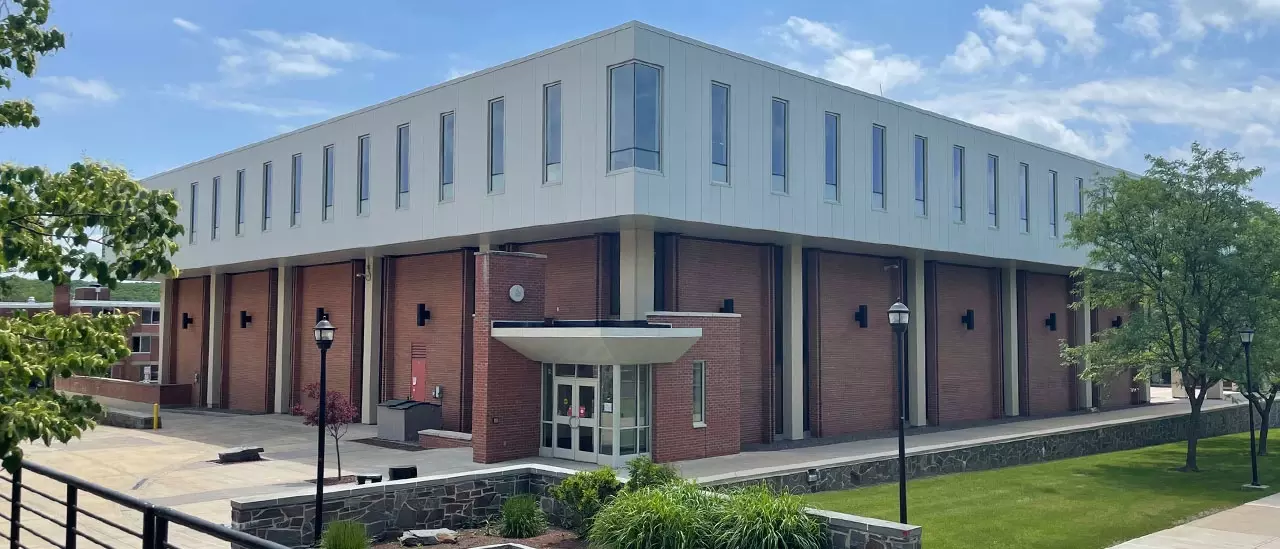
x=400, y=420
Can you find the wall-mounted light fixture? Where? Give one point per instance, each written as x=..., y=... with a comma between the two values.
x=186, y=320
x=320, y=314
x=727, y=307
x=245, y=319
x=1052, y=322
x=424, y=314
x=860, y=316
x=967, y=319
x=1117, y=322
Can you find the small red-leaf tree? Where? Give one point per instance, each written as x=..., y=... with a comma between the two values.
x=339, y=413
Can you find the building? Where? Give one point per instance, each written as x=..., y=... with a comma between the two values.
x=635, y=243
x=144, y=337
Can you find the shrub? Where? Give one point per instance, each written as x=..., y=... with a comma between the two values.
x=585, y=494
x=758, y=517
x=521, y=518
x=644, y=473
x=674, y=516
x=344, y=534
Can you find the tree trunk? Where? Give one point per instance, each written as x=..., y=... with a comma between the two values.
x=1193, y=430
x=1265, y=424
x=337, y=452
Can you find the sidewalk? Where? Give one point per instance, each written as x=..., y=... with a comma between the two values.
x=1254, y=525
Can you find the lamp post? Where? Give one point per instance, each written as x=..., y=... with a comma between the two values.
x=324, y=339
x=899, y=314
x=1246, y=339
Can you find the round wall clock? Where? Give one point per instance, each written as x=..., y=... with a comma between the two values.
x=516, y=293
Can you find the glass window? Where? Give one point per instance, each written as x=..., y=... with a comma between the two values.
x=266, y=196
x=719, y=133
x=217, y=203
x=446, y=156
x=1024, y=192
x=191, y=223
x=239, y=201
x=877, y=167
x=957, y=184
x=402, y=166
x=634, y=122
x=1053, y=203
x=151, y=316
x=993, y=190
x=141, y=344
x=551, y=139
x=1080, y=195
x=326, y=203
x=831, y=156
x=295, y=190
x=699, y=392
x=921, y=158
x=362, y=175
x=497, y=125
x=778, y=146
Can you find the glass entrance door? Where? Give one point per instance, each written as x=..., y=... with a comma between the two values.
x=575, y=419
x=599, y=414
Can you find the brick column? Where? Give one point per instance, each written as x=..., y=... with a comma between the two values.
x=675, y=437
x=168, y=289
x=62, y=300
x=507, y=386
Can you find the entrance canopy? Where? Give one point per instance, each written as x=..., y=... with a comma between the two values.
x=597, y=342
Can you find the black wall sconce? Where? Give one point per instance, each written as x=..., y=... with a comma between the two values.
x=320, y=314
x=727, y=307
x=186, y=320
x=967, y=319
x=1052, y=322
x=860, y=316
x=245, y=319
x=1117, y=322
x=424, y=314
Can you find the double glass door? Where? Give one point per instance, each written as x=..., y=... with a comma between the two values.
x=575, y=419
x=595, y=413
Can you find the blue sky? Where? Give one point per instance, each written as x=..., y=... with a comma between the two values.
x=153, y=85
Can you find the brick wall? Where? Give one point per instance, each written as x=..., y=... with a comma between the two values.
x=190, y=343
x=508, y=386
x=436, y=281
x=674, y=436
x=432, y=442
x=575, y=278
x=965, y=370
x=331, y=287
x=247, y=352
x=1117, y=392
x=853, y=373
x=1047, y=387
x=132, y=391
x=707, y=273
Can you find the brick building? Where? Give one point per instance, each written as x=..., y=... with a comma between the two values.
x=635, y=243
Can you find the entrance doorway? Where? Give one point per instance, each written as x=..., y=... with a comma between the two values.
x=595, y=413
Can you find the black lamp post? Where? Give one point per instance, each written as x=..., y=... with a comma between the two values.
x=899, y=314
x=1246, y=339
x=324, y=339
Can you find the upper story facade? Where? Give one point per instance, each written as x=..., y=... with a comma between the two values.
x=632, y=121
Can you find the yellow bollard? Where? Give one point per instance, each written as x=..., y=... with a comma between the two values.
x=155, y=416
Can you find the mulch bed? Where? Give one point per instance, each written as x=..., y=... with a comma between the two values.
x=330, y=481
x=390, y=444
x=553, y=539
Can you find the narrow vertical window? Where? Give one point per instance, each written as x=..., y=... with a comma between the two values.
x=362, y=175
x=191, y=222
x=634, y=120
x=993, y=190
x=699, y=392
x=551, y=140
x=402, y=166
x=957, y=184
x=778, y=146
x=266, y=196
x=215, y=210
x=831, y=157
x=326, y=201
x=921, y=160
x=1080, y=196
x=719, y=133
x=446, y=156
x=1053, y=204
x=497, y=145
x=1024, y=192
x=295, y=190
x=877, y=167
x=239, y=202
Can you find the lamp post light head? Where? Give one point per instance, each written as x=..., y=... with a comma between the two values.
x=324, y=333
x=899, y=315
x=1246, y=336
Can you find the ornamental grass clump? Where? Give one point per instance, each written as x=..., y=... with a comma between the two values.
x=672, y=516
x=521, y=517
x=759, y=518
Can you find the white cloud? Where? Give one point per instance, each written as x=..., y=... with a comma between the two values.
x=1147, y=25
x=213, y=97
x=1014, y=35
x=971, y=55
x=1188, y=63
x=64, y=92
x=275, y=56
x=1196, y=17
x=186, y=25
x=842, y=60
x=457, y=72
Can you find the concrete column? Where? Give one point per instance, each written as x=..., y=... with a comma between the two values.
x=217, y=312
x=793, y=342
x=167, y=295
x=284, y=340
x=372, y=370
x=1009, y=287
x=917, y=349
x=635, y=273
x=1085, y=325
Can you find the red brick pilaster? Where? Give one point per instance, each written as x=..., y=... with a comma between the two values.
x=675, y=437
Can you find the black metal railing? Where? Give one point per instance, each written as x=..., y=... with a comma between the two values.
x=67, y=519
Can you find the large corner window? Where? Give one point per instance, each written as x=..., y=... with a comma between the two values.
x=1053, y=204
x=497, y=146
x=634, y=120
x=993, y=191
x=362, y=175
x=216, y=209
x=326, y=201
x=1024, y=196
x=239, y=202
x=446, y=157
x=719, y=133
x=778, y=145
x=957, y=184
x=831, y=157
x=192, y=217
x=266, y=196
x=878, y=162
x=295, y=190
x=402, y=166
x=551, y=139
x=699, y=393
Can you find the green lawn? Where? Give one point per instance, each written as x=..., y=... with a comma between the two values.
x=1094, y=501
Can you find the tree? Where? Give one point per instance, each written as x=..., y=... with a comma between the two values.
x=1174, y=242
x=1262, y=234
x=47, y=222
x=339, y=412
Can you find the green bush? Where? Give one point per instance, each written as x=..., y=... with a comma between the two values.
x=644, y=473
x=344, y=534
x=760, y=518
x=674, y=516
x=521, y=517
x=585, y=494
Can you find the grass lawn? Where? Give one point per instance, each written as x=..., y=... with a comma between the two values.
x=1089, y=502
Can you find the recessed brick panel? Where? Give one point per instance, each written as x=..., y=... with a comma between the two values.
x=190, y=352
x=573, y=277
x=435, y=281
x=247, y=353
x=966, y=371
x=1117, y=392
x=328, y=286
x=674, y=436
x=1047, y=385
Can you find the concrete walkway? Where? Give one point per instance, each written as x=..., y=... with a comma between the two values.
x=1254, y=525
